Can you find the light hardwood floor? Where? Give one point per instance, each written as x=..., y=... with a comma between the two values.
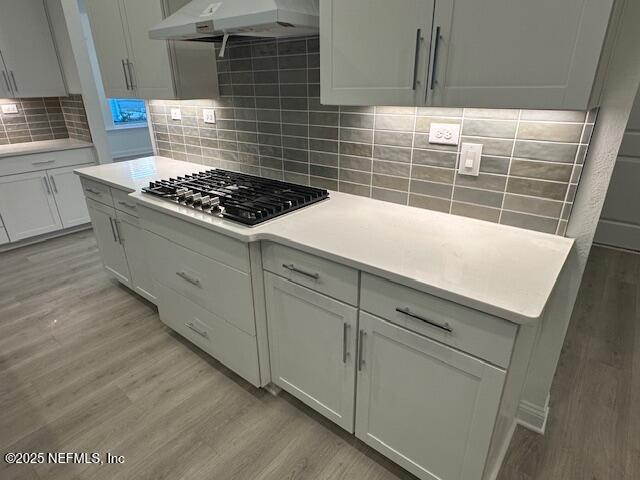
x=85, y=365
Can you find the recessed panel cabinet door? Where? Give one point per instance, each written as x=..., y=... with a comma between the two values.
x=517, y=53
x=136, y=253
x=69, y=196
x=426, y=406
x=27, y=205
x=374, y=52
x=312, y=344
x=28, y=50
x=107, y=30
x=105, y=228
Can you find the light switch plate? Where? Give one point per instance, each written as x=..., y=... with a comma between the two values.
x=176, y=114
x=470, y=157
x=209, y=115
x=10, y=108
x=444, y=133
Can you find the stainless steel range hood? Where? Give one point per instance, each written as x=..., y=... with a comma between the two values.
x=204, y=20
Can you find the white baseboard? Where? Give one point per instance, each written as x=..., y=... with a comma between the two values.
x=533, y=417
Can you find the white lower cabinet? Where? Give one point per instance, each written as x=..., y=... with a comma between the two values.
x=134, y=247
x=312, y=346
x=426, y=406
x=69, y=196
x=110, y=242
x=27, y=205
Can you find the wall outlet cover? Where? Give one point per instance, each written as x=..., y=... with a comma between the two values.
x=176, y=114
x=10, y=108
x=444, y=133
x=470, y=157
x=209, y=115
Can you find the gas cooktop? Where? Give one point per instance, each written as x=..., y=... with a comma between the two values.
x=237, y=196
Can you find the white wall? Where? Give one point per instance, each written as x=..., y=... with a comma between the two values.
x=130, y=141
x=620, y=221
x=623, y=79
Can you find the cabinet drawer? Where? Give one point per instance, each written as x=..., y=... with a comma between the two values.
x=97, y=191
x=45, y=161
x=123, y=202
x=219, y=288
x=313, y=272
x=231, y=346
x=477, y=333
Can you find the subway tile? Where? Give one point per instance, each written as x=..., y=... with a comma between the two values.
x=356, y=120
x=551, y=132
x=439, y=112
x=330, y=133
x=432, y=174
x=475, y=211
x=395, y=154
x=492, y=146
x=394, y=183
x=400, y=139
x=354, y=189
x=537, y=206
x=323, y=118
x=489, y=164
x=296, y=167
x=394, y=122
x=323, y=171
x=355, y=176
x=431, y=189
x=478, y=197
x=530, y=222
x=429, y=203
x=392, y=196
x=355, y=163
x=385, y=110
x=356, y=135
x=357, y=149
x=321, y=182
x=434, y=158
x=292, y=47
x=489, y=128
x=323, y=158
x=552, y=115
x=491, y=113
x=485, y=181
x=537, y=188
x=292, y=177
x=423, y=124
x=541, y=170
x=323, y=145
x=392, y=168
x=551, y=152
x=293, y=61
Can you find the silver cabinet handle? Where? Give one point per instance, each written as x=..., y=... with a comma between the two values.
x=345, y=328
x=46, y=185
x=435, y=59
x=113, y=230
x=13, y=77
x=188, y=278
x=442, y=326
x=43, y=162
x=292, y=268
x=416, y=58
x=6, y=81
x=126, y=78
x=128, y=205
x=53, y=184
x=117, y=225
x=131, y=76
x=195, y=329
x=361, y=349
x=91, y=190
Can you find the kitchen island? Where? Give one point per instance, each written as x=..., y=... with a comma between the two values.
x=394, y=322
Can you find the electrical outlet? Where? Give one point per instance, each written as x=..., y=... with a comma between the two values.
x=10, y=108
x=176, y=114
x=470, y=157
x=209, y=115
x=444, y=133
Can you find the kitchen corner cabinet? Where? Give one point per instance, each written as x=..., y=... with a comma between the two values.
x=426, y=406
x=312, y=344
x=134, y=66
x=490, y=54
x=29, y=61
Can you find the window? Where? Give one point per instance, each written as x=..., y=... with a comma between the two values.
x=127, y=111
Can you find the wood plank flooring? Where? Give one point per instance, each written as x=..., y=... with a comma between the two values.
x=87, y=366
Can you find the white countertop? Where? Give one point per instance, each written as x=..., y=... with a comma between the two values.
x=501, y=270
x=27, y=148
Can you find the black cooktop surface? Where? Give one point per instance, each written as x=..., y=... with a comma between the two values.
x=237, y=196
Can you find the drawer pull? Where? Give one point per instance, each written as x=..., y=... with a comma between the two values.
x=445, y=326
x=185, y=276
x=44, y=162
x=191, y=326
x=361, y=349
x=345, y=328
x=128, y=205
x=91, y=190
x=113, y=230
x=292, y=268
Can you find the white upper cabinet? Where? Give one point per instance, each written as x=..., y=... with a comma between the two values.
x=450, y=53
x=374, y=52
x=30, y=62
x=132, y=65
x=518, y=53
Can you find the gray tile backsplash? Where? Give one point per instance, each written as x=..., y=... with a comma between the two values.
x=270, y=122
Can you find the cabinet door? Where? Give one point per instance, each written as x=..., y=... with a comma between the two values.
x=69, y=196
x=108, y=31
x=134, y=248
x=28, y=50
x=27, y=205
x=105, y=228
x=518, y=53
x=382, y=61
x=312, y=345
x=426, y=406
x=151, y=68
